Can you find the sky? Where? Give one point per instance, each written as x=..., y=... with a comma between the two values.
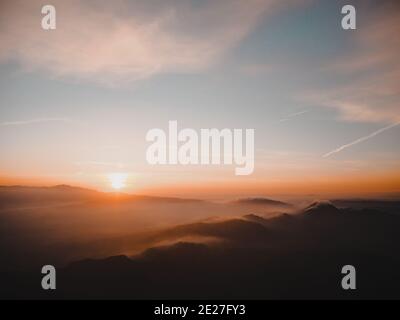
x=76, y=102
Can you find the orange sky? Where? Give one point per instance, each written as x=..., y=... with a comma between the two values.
x=382, y=185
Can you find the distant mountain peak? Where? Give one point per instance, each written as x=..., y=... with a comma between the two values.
x=262, y=201
x=321, y=207
x=68, y=187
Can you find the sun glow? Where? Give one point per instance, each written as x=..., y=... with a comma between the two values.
x=118, y=180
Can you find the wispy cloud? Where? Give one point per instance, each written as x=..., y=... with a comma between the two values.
x=369, y=89
x=126, y=40
x=348, y=145
x=33, y=121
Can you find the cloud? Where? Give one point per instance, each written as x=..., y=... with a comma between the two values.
x=348, y=145
x=107, y=42
x=367, y=78
x=33, y=121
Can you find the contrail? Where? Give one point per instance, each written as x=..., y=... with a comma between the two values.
x=360, y=139
x=293, y=115
x=24, y=122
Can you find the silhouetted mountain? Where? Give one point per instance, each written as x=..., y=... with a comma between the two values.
x=392, y=206
x=287, y=256
x=22, y=196
x=321, y=207
x=262, y=202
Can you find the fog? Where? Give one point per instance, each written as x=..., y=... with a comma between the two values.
x=62, y=224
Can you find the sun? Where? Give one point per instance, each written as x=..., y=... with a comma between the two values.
x=118, y=180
